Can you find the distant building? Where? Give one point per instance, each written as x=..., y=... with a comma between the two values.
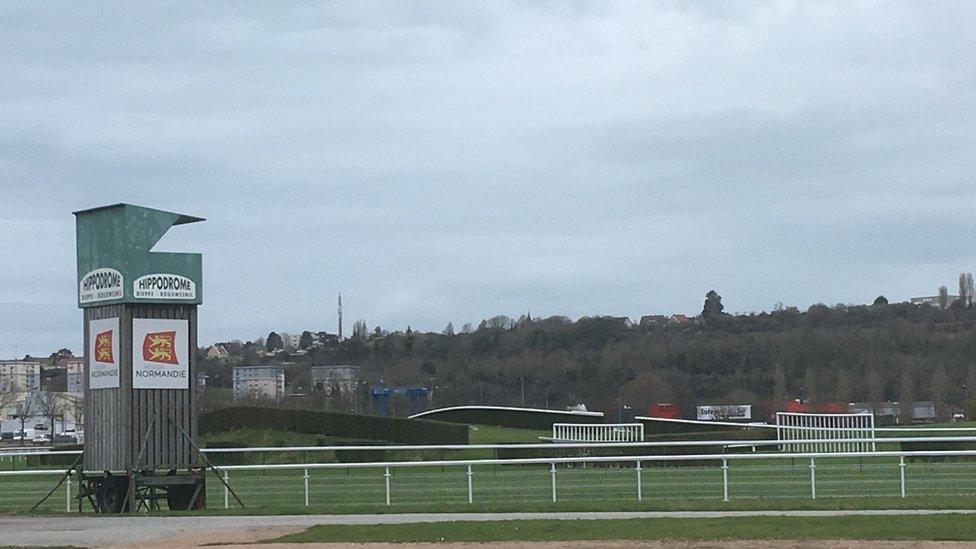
x=75, y=375
x=653, y=320
x=217, y=351
x=624, y=321
x=259, y=381
x=933, y=300
x=663, y=320
x=20, y=375
x=290, y=341
x=341, y=379
x=202, y=380
x=888, y=413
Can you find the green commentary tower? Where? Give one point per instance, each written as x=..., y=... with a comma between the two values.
x=140, y=324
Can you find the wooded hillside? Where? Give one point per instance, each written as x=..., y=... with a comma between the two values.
x=842, y=353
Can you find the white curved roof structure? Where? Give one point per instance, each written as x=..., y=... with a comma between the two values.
x=508, y=409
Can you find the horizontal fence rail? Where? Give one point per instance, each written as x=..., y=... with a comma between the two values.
x=757, y=425
x=540, y=445
x=891, y=473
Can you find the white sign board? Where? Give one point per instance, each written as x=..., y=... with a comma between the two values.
x=725, y=412
x=101, y=285
x=160, y=353
x=164, y=286
x=103, y=353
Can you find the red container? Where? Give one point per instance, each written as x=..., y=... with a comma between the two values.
x=664, y=410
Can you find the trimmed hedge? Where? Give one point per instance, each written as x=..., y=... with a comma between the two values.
x=655, y=426
x=515, y=419
x=937, y=446
x=511, y=453
x=389, y=429
x=56, y=460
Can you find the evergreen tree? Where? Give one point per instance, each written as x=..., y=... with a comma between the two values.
x=305, y=341
x=274, y=342
x=713, y=305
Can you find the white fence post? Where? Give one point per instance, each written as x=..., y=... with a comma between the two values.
x=725, y=480
x=306, y=487
x=640, y=495
x=901, y=467
x=552, y=472
x=813, y=479
x=387, y=475
x=470, y=491
x=226, y=490
x=67, y=496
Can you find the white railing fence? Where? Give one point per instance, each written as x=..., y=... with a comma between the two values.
x=726, y=443
x=798, y=429
x=598, y=432
x=753, y=472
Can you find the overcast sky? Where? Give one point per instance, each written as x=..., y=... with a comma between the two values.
x=448, y=161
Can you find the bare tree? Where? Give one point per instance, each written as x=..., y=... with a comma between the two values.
x=842, y=388
x=875, y=389
x=49, y=406
x=498, y=321
x=940, y=389
x=906, y=398
x=6, y=399
x=810, y=389
x=966, y=289
x=21, y=413
x=78, y=410
x=780, y=394
x=971, y=381
x=359, y=329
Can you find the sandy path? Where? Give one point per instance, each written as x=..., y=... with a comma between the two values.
x=188, y=531
x=602, y=544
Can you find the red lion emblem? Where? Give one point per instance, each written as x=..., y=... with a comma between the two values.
x=103, y=347
x=160, y=347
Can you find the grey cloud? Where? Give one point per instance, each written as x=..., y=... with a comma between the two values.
x=450, y=161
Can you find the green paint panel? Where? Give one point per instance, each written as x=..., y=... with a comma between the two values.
x=115, y=264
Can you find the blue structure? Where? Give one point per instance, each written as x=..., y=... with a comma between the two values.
x=380, y=398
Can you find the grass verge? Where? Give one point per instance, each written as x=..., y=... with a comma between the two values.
x=930, y=527
x=943, y=503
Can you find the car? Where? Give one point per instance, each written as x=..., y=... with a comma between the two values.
x=9, y=435
x=41, y=438
x=64, y=439
x=40, y=427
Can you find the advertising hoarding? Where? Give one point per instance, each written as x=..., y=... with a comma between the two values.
x=725, y=412
x=103, y=353
x=160, y=353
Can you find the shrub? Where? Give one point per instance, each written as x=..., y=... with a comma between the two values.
x=231, y=458
x=407, y=431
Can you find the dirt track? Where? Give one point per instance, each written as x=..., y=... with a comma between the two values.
x=143, y=531
x=607, y=544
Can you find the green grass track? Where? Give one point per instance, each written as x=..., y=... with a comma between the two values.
x=929, y=527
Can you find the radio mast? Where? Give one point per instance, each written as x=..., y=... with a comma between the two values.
x=340, y=316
